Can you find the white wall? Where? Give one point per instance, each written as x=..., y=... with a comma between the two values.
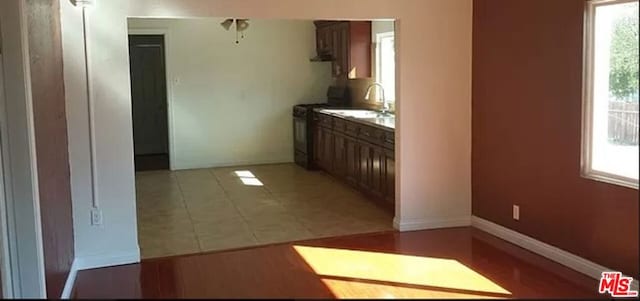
x=231, y=103
x=433, y=141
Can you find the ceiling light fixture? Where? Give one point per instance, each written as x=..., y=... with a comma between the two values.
x=227, y=24
x=241, y=26
x=82, y=3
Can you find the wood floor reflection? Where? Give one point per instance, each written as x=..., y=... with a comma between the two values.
x=447, y=263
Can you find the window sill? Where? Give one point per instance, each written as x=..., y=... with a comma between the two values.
x=611, y=179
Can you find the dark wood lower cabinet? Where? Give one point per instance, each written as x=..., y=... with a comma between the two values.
x=359, y=154
x=327, y=149
x=390, y=177
x=317, y=146
x=339, y=155
x=352, y=160
x=322, y=143
x=365, y=166
x=378, y=171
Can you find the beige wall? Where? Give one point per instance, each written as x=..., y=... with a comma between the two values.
x=230, y=104
x=433, y=146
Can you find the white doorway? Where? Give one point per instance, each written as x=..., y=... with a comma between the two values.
x=21, y=251
x=6, y=290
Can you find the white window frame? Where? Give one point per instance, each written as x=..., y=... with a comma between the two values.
x=587, y=100
x=379, y=36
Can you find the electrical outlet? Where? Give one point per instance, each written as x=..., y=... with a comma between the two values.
x=96, y=217
x=516, y=212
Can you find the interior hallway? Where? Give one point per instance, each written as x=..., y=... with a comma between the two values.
x=191, y=211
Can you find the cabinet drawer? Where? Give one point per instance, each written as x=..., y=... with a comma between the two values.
x=366, y=133
x=325, y=120
x=339, y=125
x=389, y=140
x=352, y=129
x=372, y=135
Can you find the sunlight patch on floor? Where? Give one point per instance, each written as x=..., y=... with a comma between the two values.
x=396, y=270
x=244, y=174
x=248, y=178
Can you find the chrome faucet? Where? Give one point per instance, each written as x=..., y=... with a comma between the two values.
x=385, y=104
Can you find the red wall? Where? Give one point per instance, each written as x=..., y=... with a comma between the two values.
x=527, y=85
x=50, y=123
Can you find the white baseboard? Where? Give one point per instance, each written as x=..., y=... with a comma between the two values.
x=106, y=260
x=425, y=224
x=177, y=166
x=71, y=279
x=560, y=256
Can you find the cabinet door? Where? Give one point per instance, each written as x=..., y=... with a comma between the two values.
x=390, y=177
x=339, y=155
x=343, y=48
x=327, y=149
x=317, y=146
x=335, y=50
x=352, y=155
x=323, y=39
x=364, y=163
x=378, y=172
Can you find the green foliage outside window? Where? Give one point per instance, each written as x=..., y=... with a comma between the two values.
x=623, y=76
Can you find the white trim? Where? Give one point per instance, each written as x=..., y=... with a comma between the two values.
x=19, y=158
x=560, y=256
x=32, y=150
x=586, y=171
x=71, y=280
x=166, y=33
x=5, y=261
x=232, y=163
x=107, y=260
x=425, y=224
x=95, y=200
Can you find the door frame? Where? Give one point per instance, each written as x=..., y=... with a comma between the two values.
x=169, y=80
x=6, y=283
x=21, y=219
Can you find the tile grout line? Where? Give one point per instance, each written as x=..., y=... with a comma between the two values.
x=269, y=192
x=184, y=202
x=270, y=195
x=173, y=178
x=228, y=198
x=296, y=218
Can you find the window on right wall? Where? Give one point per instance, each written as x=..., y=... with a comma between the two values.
x=386, y=63
x=610, y=106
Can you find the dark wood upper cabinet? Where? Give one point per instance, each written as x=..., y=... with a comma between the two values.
x=349, y=45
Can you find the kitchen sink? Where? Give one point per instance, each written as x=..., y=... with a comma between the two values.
x=359, y=113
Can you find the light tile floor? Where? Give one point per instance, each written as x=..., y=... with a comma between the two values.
x=201, y=210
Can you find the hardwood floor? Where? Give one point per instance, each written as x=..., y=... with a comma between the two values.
x=446, y=263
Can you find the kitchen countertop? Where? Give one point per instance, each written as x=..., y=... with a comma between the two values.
x=385, y=123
